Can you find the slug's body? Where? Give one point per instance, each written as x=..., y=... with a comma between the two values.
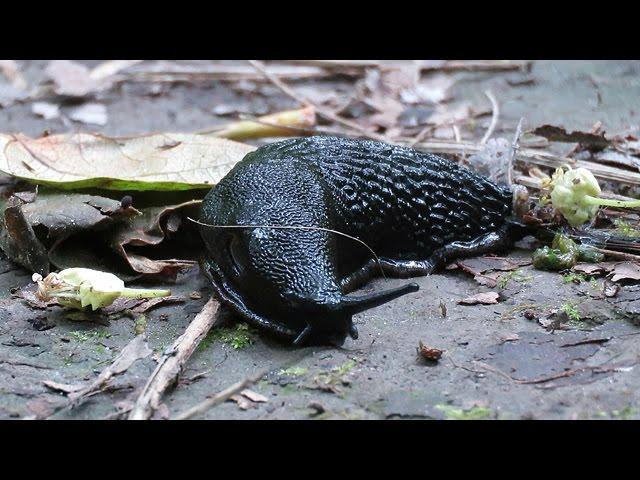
x=413, y=209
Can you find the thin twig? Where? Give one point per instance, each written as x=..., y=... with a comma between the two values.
x=494, y=116
x=617, y=255
x=538, y=157
x=566, y=373
x=456, y=133
x=476, y=66
x=133, y=351
x=172, y=362
x=221, y=397
x=323, y=112
x=228, y=392
x=513, y=152
x=596, y=127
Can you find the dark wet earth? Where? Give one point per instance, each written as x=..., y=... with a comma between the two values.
x=500, y=361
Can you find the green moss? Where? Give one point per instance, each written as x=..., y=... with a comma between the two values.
x=515, y=275
x=141, y=324
x=238, y=338
x=571, y=310
x=574, y=277
x=336, y=375
x=83, y=336
x=474, y=413
x=293, y=371
x=564, y=254
x=624, y=414
x=625, y=229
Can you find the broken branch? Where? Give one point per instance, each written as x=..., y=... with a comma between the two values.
x=494, y=116
x=328, y=114
x=172, y=362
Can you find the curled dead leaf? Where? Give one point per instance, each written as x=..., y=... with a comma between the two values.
x=429, y=353
x=625, y=271
x=484, y=298
x=125, y=163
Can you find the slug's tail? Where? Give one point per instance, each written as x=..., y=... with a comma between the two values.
x=343, y=311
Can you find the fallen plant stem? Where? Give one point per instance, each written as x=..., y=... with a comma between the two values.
x=228, y=392
x=566, y=373
x=538, y=157
x=617, y=255
x=515, y=145
x=134, y=350
x=476, y=66
x=221, y=397
x=495, y=108
x=327, y=114
x=281, y=124
x=173, y=361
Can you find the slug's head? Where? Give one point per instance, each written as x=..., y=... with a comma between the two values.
x=286, y=280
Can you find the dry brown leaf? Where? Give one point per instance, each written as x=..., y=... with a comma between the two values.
x=558, y=134
x=254, y=396
x=625, y=271
x=167, y=161
x=489, y=279
x=429, y=353
x=154, y=302
x=610, y=289
x=91, y=113
x=61, y=387
x=46, y=110
x=11, y=71
x=242, y=402
x=590, y=268
x=70, y=78
x=484, y=298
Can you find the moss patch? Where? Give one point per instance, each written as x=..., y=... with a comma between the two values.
x=474, y=413
x=238, y=337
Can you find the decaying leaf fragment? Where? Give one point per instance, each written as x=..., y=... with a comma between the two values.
x=485, y=298
x=160, y=162
x=81, y=287
x=429, y=353
x=625, y=271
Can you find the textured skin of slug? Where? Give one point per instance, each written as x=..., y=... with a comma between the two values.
x=414, y=209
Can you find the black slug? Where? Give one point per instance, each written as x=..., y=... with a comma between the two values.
x=286, y=269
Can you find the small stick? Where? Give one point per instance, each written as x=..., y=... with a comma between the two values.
x=173, y=361
x=538, y=157
x=276, y=125
x=514, y=150
x=133, y=351
x=494, y=116
x=228, y=392
x=221, y=397
x=618, y=255
x=328, y=114
x=594, y=129
x=456, y=133
x=478, y=66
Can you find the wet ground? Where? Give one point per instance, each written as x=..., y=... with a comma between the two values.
x=497, y=363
